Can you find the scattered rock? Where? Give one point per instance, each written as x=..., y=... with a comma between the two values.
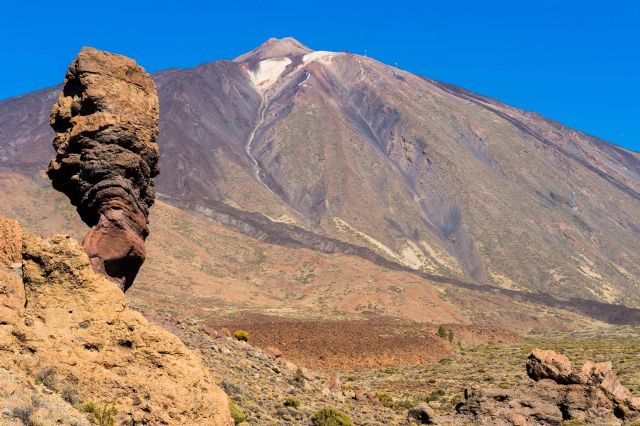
x=272, y=352
x=422, y=414
x=306, y=373
x=556, y=393
x=209, y=331
x=334, y=383
x=224, y=332
x=290, y=366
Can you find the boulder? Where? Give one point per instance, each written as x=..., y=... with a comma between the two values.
x=209, y=331
x=556, y=393
x=272, y=352
x=547, y=364
x=106, y=124
x=334, y=383
x=422, y=414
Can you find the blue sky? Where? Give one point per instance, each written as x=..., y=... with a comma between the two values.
x=574, y=61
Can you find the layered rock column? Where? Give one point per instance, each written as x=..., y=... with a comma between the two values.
x=106, y=124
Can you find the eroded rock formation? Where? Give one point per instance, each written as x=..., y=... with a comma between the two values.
x=555, y=394
x=72, y=330
x=106, y=124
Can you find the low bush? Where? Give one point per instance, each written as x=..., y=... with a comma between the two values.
x=102, y=414
x=292, y=402
x=385, y=399
x=242, y=335
x=330, y=416
x=237, y=413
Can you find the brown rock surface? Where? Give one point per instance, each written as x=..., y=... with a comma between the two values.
x=106, y=124
x=557, y=393
x=12, y=297
x=542, y=364
x=77, y=326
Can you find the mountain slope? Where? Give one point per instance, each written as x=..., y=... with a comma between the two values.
x=422, y=173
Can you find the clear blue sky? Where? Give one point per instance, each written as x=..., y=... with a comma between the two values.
x=574, y=61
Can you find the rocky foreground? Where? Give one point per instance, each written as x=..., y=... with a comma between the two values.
x=72, y=351
x=555, y=394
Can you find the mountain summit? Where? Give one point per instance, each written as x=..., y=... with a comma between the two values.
x=275, y=48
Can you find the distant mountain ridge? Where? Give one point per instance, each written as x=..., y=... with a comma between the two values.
x=421, y=173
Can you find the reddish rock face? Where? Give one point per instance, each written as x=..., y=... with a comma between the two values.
x=106, y=123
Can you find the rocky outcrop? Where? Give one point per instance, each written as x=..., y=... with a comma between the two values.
x=545, y=364
x=106, y=124
x=421, y=414
x=72, y=335
x=12, y=298
x=555, y=394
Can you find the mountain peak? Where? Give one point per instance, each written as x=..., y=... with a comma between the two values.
x=275, y=48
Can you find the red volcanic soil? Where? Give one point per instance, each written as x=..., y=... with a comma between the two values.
x=354, y=344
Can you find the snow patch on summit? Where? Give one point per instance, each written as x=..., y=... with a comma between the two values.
x=268, y=72
x=310, y=57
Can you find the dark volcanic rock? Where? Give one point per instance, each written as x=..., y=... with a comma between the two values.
x=106, y=124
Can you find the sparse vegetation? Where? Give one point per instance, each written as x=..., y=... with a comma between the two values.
x=385, y=399
x=291, y=401
x=242, y=335
x=237, y=414
x=443, y=333
x=102, y=414
x=330, y=416
x=69, y=394
x=47, y=377
x=25, y=413
x=574, y=422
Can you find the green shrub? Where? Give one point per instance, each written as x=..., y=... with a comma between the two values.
x=241, y=335
x=103, y=414
x=292, y=402
x=385, y=399
x=237, y=413
x=404, y=404
x=442, y=332
x=574, y=422
x=330, y=416
x=434, y=395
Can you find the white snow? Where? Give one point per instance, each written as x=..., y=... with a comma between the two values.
x=304, y=82
x=310, y=57
x=268, y=72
